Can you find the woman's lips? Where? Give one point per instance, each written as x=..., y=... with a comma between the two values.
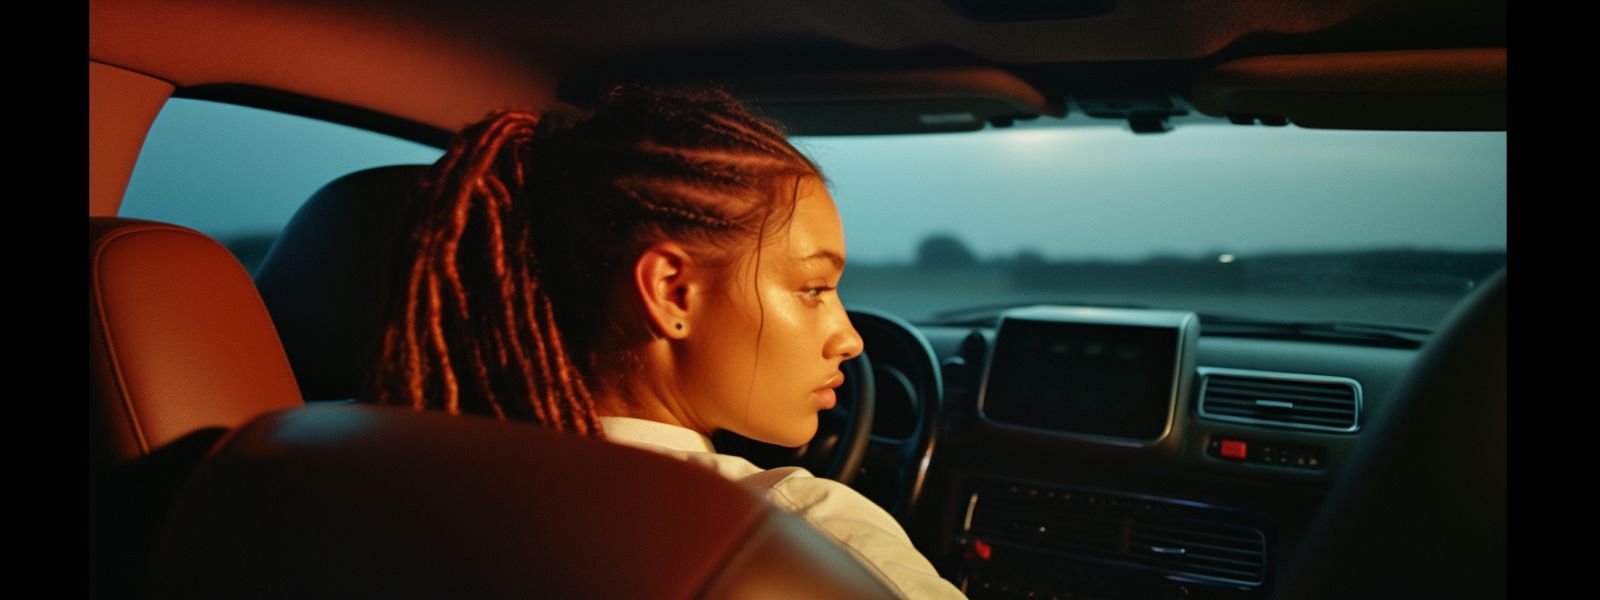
x=826, y=398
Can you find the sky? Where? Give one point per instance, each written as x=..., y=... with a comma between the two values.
x=1104, y=192
x=1064, y=192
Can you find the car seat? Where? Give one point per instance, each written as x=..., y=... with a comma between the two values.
x=179, y=341
x=323, y=273
x=1420, y=509
x=181, y=350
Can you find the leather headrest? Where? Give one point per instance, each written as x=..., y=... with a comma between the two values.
x=356, y=500
x=178, y=338
x=323, y=275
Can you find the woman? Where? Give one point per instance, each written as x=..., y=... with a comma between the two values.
x=653, y=272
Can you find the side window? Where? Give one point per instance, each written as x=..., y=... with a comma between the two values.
x=238, y=174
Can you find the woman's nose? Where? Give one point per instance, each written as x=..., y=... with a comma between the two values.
x=849, y=343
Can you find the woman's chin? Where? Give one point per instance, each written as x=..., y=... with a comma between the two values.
x=795, y=436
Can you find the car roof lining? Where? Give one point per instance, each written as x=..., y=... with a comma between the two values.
x=437, y=66
x=1453, y=89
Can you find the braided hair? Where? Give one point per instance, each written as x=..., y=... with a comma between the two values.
x=502, y=299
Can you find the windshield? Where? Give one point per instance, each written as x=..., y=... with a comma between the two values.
x=1276, y=223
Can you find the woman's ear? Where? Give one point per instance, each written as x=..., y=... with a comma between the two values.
x=664, y=277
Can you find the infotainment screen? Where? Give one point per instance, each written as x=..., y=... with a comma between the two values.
x=1109, y=374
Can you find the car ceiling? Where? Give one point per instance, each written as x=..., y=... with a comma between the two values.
x=470, y=56
x=600, y=34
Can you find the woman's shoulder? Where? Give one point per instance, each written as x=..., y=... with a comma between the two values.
x=832, y=505
x=858, y=525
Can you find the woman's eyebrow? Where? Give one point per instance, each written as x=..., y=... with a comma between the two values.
x=838, y=259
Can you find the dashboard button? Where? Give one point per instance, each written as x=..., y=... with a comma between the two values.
x=1234, y=449
x=982, y=549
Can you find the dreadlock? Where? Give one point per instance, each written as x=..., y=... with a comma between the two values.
x=502, y=302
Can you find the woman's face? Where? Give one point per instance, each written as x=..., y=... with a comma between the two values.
x=764, y=356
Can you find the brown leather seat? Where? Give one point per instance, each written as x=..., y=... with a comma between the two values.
x=363, y=501
x=181, y=350
x=179, y=340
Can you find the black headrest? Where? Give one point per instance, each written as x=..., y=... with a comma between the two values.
x=1420, y=509
x=323, y=274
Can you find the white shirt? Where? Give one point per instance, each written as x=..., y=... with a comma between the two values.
x=839, y=512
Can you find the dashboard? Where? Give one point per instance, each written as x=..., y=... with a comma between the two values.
x=1111, y=453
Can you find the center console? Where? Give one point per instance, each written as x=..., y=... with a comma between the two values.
x=1109, y=388
x=1037, y=541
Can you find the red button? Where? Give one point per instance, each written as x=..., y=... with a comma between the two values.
x=1234, y=449
x=982, y=548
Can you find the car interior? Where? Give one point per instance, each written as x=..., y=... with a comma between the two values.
x=1029, y=450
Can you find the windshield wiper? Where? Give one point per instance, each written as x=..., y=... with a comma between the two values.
x=1377, y=334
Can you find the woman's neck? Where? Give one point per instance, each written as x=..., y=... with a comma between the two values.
x=642, y=403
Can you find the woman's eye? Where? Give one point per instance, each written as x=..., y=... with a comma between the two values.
x=815, y=293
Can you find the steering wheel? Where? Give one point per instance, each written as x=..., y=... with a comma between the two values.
x=842, y=436
x=909, y=389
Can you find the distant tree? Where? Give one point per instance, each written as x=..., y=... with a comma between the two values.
x=1029, y=257
x=944, y=251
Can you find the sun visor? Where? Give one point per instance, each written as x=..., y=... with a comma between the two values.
x=1449, y=90
x=880, y=102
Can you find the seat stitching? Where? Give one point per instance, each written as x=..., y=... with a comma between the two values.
x=105, y=330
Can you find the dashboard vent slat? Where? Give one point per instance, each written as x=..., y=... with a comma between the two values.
x=1207, y=549
x=1287, y=400
x=1212, y=553
x=1254, y=398
x=1307, y=394
x=1298, y=408
x=1219, y=542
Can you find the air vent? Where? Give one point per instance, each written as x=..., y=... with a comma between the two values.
x=1065, y=527
x=1289, y=400
x=1171, y=537
x=1066, y=532
x=1211, y=550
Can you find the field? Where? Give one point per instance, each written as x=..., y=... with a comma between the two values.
x=919, y=294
